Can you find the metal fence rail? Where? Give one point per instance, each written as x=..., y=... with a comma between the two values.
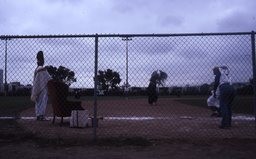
x=126, y=62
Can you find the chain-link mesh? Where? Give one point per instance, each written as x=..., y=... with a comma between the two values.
x=125, y=64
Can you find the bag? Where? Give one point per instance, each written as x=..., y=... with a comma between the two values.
x=79, y=119
x=211, y=101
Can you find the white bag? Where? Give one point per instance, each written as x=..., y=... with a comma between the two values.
x=79, y=119
x=211, y=101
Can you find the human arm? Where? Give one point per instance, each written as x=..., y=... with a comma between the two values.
x=40, y=82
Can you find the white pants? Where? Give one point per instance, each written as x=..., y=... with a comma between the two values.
x=41, y=102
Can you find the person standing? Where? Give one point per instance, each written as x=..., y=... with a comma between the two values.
x=152, y=93
x=157, y=78
x=225, y=92
x=39, y=93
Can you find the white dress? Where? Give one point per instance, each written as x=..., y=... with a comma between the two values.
x=39, y=91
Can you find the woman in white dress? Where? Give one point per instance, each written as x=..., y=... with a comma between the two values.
x=39, y=93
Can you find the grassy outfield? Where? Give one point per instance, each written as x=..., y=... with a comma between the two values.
x=11, y=106
x=91, y=98
x=241, y=104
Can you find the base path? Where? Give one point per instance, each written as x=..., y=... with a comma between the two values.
x=169, y=119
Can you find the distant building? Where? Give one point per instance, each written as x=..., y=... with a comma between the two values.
x=13, y=86
x=1, y=80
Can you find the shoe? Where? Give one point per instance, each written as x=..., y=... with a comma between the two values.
x=214, y=115
x=43, y=118
x=40, y=118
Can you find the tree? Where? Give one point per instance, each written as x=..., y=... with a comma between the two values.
x=62, y=74
x=108, y=79
x=204, y=89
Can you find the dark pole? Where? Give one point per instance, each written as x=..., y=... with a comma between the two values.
x=127, y=60
x=254, y=73
x=95, y=120
x=5, y=65
x=5, y=69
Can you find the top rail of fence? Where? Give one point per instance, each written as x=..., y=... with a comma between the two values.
x=124, y=35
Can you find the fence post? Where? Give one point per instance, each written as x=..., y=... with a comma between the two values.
x=95, y=122
x=5, y=65
x=254, y=73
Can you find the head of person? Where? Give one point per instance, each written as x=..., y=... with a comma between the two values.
x=40, y=58
x=225, y=70
x=216, y=70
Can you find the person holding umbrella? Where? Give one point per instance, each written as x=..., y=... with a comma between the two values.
x=157, y=78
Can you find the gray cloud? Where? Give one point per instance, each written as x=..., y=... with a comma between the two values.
x=238, y=21
x=185, y=59
x=121, y=16
x=170, y=21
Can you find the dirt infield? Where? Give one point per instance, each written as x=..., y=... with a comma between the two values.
x=131, y=129
x=135, y=118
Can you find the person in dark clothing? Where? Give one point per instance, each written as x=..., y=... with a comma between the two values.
x=157, y=78
x=225, y=92
x=152, y=93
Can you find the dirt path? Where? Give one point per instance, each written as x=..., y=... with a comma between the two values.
x=131, y=129
x=134, y=117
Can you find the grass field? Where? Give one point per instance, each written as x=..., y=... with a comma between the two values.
x=13, y=105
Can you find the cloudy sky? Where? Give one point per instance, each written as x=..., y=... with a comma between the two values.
x=187, y=60
x=33, y=17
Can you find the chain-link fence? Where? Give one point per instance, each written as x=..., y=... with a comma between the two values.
x=109, y=75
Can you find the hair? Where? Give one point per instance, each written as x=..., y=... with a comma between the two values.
x=216, y=70
x=40, y=58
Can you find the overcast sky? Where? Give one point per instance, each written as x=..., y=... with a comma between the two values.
x=33, y=17
x=186, y=60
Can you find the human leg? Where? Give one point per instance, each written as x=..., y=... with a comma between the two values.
x=155, y=99
x=231, y=95
x=41, y=103
x=150, y=99
x=224, y=106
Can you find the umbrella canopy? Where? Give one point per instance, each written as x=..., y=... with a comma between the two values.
x=158, y=77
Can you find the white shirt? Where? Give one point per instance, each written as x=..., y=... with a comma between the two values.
x=224, y=78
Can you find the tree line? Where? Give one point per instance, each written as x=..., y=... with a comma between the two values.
x=109, y=82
